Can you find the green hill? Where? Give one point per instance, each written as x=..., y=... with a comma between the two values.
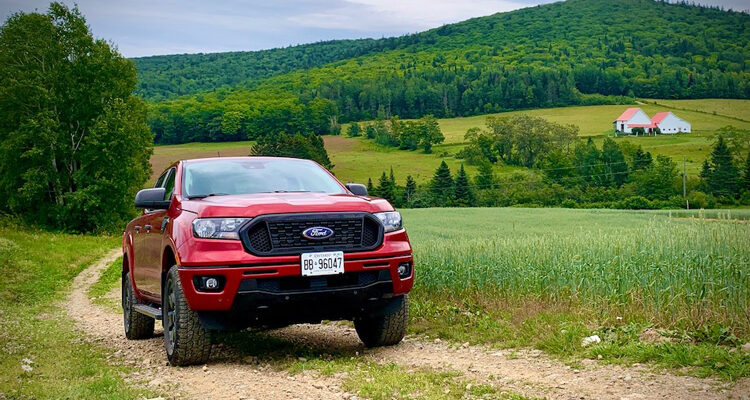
x=578, y=52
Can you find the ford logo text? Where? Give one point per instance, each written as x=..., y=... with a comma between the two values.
x=317, y=233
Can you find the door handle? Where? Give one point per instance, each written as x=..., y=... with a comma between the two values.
x=148, y=228
x=137, y=228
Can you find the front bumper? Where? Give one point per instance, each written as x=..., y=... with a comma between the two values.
x=249, y=284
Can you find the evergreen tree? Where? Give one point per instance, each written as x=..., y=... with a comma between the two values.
x=723, y=179
x=354, y=130
x=441, y=186
x=463, y=195
x=746, y=183
x=409, y=191
x=486, y=177
x=370, y=188
x=385, y=188
x=641, y=160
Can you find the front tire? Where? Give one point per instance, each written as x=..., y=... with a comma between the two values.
x=384, y=330
x=137, y=325
x=187, y=342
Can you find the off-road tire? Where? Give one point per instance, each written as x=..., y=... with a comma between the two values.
x=137, y=325
x=384, y=330
x=187, y=342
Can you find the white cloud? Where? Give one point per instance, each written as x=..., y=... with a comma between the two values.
x=402, y=15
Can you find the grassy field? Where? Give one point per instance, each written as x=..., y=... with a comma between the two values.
x=597, y=120
x=37, y=267
x=549, y=277
x=739, y=109
x=356, y=160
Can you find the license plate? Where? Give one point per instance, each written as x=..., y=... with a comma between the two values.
x=324, y=263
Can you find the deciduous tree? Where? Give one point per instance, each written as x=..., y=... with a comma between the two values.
x=74, y=141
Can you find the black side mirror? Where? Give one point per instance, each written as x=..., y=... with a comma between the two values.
x=357, y=189
x=151, y=198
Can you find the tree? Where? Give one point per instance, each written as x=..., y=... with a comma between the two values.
x=441, y=185
x=308, y=146
x=75, y=144
x=354, y=130
x=614, y=162
x=486, y=177
x=370, y=188
x=746, y=177
x=386, y=188
x=721, y=176
x=658, y=182
x=463, y=195
x=409, y=191
x=430, y=133
x=640, y=159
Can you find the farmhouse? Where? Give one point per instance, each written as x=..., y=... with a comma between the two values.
x=663, y=122
x=667, y=122
x=633, y=117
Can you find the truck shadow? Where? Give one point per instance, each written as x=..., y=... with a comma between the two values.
x=330, y=342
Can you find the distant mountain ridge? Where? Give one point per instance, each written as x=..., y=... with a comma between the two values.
x=572, y=52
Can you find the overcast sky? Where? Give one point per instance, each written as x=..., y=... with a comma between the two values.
x=149, y=27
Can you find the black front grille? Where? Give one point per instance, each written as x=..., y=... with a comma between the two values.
x=306, y=283
x=281, y=234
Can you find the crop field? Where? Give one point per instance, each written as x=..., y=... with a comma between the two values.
x=547, y=277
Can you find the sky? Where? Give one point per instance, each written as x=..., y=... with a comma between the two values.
x=152, y=27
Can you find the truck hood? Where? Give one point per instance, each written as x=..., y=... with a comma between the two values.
x=252, y=205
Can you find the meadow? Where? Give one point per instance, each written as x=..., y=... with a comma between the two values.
x=357, y=159
x=37, y=268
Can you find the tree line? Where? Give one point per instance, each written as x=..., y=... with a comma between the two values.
x=507, y=61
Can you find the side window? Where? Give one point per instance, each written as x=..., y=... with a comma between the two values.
x=169, y=184
x=160, y=181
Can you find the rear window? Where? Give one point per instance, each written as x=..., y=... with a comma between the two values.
x=249, y=176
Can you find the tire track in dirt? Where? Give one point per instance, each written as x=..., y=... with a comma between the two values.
x=526, y=372
x=225, y=377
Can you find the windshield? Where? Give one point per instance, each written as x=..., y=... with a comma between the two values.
x=248, y=176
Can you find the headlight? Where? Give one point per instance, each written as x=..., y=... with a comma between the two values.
x=391, y=220
x=218, y=228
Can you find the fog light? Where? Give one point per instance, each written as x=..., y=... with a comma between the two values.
x=404, y=270
x=212, y=283
x=209, y=283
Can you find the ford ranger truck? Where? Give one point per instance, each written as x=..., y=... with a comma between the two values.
x=261, y=242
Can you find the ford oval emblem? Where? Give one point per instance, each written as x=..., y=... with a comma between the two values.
x=317, y=233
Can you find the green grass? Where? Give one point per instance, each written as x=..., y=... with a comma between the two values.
x=357, y=159
x=108, y=281
x=739, y=109
x=37, y=267
x=547, y=278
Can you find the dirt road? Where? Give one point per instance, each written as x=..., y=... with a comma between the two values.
x=234, y=373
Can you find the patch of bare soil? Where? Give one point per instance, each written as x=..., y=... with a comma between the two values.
x=231, y=375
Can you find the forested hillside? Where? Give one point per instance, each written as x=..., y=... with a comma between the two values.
x=573, y=52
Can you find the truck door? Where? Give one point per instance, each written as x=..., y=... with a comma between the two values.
x=142, y=257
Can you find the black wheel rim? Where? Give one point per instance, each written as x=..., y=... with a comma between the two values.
x=126, y=305
x=170, y=327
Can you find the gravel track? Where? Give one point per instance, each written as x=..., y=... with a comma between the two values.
x=232, y=375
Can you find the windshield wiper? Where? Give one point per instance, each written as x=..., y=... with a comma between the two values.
x=203, y=196
x=291, y=191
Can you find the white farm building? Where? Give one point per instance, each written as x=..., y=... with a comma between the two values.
x=634, y=117
x=667, y=122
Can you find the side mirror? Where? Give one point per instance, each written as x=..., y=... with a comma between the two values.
x=357, y=189
x=151, y=198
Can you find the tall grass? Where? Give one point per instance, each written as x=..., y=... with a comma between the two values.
x=674, y=271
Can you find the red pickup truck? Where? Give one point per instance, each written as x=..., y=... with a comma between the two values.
x=261, y=242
